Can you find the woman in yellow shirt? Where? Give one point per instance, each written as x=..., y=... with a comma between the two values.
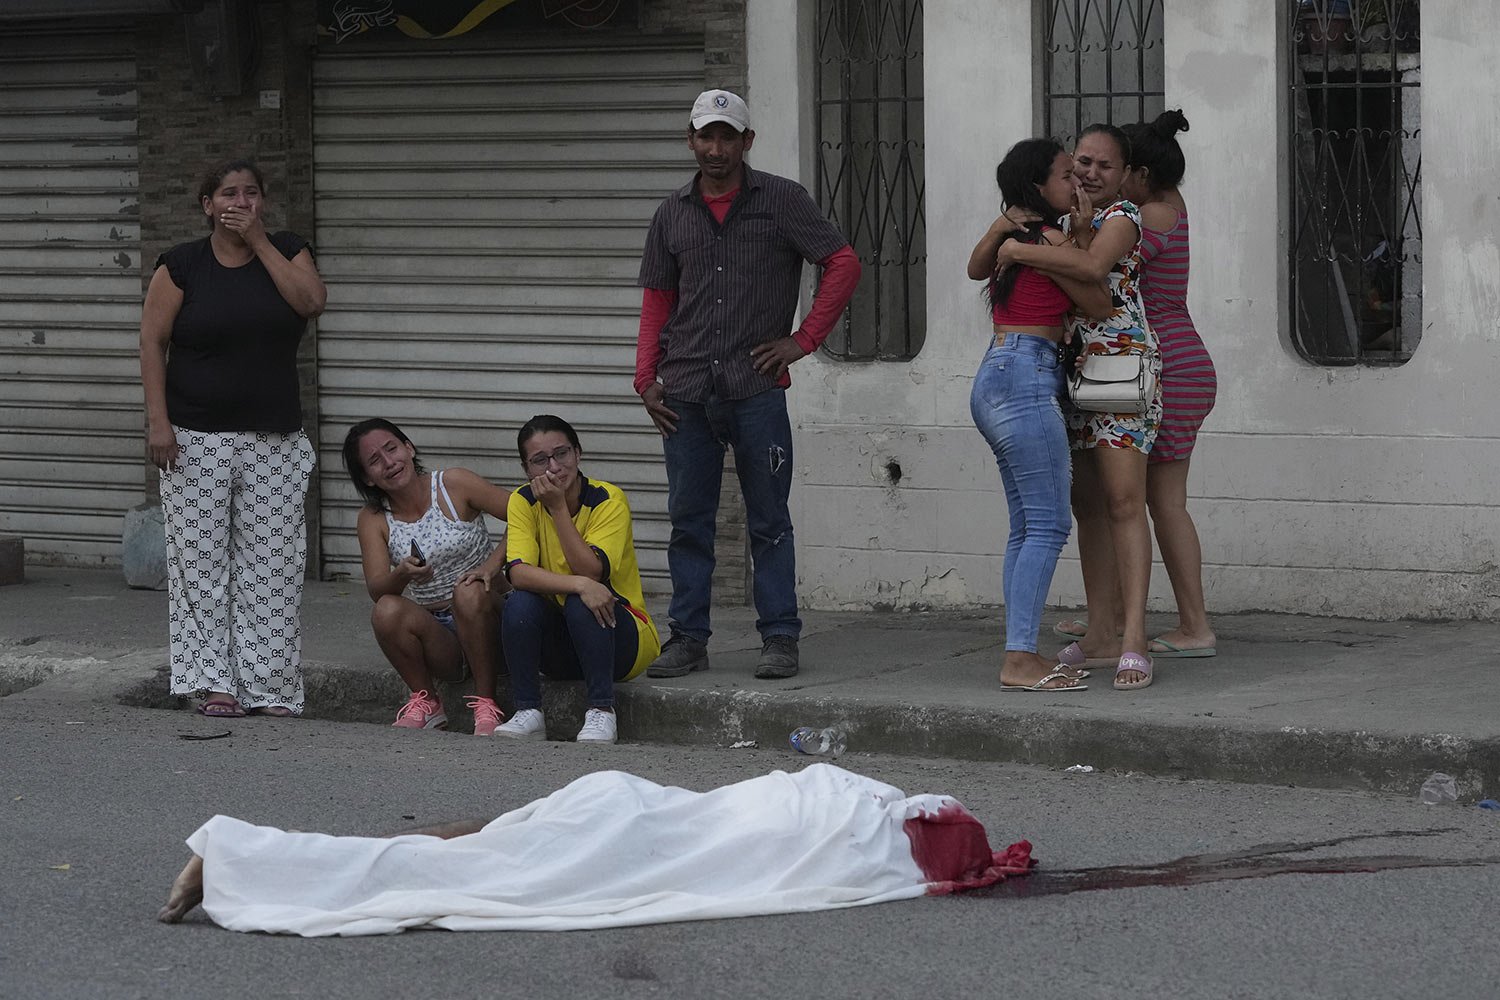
x=576, y=610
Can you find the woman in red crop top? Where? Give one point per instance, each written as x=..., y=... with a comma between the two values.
x=1014, y=401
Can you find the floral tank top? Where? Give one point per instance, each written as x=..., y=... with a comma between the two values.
x=1126, y=331
x=451, y=547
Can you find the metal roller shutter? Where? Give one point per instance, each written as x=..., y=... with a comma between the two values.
x=71, y=459
x=480, y=222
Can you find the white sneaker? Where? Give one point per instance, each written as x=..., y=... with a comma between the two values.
x=598, y=727
x=527, y=724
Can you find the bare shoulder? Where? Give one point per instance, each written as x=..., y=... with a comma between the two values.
x=1159, y=215
x=370, y=519
x=1054, y=236
x=465, y=484
x=474, y=494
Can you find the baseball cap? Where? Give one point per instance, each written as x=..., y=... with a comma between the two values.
x=721, y=106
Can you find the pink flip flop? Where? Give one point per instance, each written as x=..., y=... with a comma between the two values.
x=221, y=708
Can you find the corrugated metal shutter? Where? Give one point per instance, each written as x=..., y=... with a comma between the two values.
x=71, y=460
x=480, y=223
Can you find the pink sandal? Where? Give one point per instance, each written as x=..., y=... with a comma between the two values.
x=1073, y=657
x=1133, y=662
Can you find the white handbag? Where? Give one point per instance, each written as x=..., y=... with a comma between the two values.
x=1113, y=383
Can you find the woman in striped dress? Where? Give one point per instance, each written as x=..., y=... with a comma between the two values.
x=1155, y=167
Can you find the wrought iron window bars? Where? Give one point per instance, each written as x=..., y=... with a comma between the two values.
x=1355, y=252
x=870, y=180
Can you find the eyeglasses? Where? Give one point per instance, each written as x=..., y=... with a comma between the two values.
x=560, y=456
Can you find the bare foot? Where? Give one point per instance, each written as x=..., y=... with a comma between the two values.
x=187, y=892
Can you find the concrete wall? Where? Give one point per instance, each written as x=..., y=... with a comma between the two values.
x=1360, y=491
x=1353, y=491
x=935, y=538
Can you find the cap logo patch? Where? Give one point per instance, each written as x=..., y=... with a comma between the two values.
x=721, y=101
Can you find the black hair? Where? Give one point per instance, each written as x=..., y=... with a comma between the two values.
x=1025, y=167
x=1153, y=145
x=375, y=498
x=541, y=424
x=215, y=177
x=1114, y=132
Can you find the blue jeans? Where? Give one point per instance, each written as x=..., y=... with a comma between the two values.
x=565, y=643
x=759, y=431
x=1015, y=406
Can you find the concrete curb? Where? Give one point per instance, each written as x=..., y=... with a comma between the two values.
x=1324, y=702
x=1360, y=760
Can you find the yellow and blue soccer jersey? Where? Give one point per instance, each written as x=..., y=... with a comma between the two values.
x=603, y=522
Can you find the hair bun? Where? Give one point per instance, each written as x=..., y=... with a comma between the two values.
x=1169, y=123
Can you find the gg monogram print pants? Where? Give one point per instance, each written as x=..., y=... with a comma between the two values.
x=236, y=549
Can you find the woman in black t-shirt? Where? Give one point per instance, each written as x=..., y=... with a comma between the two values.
x=219, y=334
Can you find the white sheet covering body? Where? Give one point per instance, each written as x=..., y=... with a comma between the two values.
x=607, y=850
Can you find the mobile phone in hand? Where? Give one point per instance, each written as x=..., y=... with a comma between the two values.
x=416, y=553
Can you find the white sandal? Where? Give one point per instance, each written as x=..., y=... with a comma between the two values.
x=1061, y=673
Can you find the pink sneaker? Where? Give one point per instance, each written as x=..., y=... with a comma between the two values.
x=487, y=714
x=421, y=711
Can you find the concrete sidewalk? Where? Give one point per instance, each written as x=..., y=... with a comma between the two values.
x=1289, y=699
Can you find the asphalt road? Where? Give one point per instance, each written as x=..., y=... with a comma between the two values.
x=97, y=799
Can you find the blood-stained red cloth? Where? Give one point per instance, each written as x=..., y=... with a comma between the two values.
x=951, y=848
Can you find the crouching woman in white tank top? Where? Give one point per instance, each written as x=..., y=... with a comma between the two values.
x=434, y=573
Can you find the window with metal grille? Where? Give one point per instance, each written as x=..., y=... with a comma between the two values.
x=1101, y=61
x=868, y=109
x=1356, y=180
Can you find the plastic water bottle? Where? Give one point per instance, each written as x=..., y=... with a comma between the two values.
x=828, y=742
x=1438, y=789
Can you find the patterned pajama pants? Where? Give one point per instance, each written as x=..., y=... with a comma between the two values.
x=236, y=550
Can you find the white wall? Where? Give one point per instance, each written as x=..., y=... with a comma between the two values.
x=936, y=538
x=1361, y=491
x=1356, y=491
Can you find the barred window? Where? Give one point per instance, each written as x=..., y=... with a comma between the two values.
x=1356, y=180
x=1101, y=61
x=868, y=111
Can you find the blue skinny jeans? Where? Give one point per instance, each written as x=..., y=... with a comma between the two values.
x=1015, y=405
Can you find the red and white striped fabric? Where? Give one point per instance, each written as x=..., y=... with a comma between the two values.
x=610, y=850
x=1188, y=380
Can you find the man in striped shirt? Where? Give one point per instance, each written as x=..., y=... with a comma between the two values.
x=721, y=274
